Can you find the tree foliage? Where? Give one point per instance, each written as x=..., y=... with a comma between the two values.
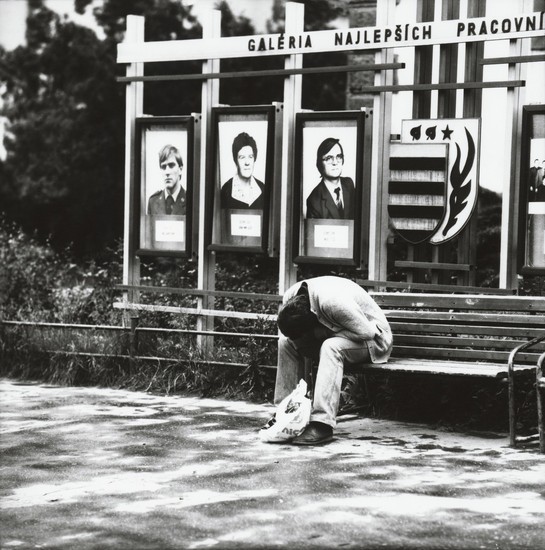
x=64, y=172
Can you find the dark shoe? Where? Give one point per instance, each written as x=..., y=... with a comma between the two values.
x=314, y=434
x=271, y=422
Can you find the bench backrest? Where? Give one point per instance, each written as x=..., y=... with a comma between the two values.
x=463, y=327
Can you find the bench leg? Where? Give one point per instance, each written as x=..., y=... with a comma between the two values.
x=540, y=391
x=309, y=376
x=512, y=409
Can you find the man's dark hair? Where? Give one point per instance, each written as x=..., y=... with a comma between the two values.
x=168, y=150
x=243, y=140
x=295, y=317
x=323, y=150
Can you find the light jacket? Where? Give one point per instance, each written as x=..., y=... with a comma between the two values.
x=345, y=308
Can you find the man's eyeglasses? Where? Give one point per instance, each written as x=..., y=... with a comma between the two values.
x=330, y=158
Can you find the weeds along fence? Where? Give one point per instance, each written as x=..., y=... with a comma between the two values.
x=143, y=356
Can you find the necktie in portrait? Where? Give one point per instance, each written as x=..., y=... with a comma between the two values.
x=169, y=204
x=338, y=201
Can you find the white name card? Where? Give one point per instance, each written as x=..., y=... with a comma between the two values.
x=167, y=231
x=331, y=236
x=536, y=207
x=245, y=225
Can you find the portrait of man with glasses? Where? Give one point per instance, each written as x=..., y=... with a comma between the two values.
x=334, y=196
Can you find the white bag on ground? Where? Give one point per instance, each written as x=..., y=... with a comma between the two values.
x=292, y=417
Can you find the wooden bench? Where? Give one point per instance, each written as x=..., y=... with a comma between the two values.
x=464, y=335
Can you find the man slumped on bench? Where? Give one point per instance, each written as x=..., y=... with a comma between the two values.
x=335, y=322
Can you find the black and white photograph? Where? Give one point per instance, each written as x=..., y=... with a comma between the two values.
x=165, y=189
x=532, y=211
x=328, y=185
x=241, y=184
x=272, y=274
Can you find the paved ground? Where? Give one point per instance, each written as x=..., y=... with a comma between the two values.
x=104, y=469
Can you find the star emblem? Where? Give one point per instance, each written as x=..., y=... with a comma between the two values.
x=446, y=132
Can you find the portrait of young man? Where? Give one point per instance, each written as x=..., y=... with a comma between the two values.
x=328, y=187
x=334, y=196
x=171, y=198
x=165, y=174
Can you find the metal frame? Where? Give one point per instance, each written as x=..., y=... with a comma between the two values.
x=361, y=206
x=540, y=389
x=528, y=112
x=212, y=209
x=511, y=368
x=186, y=123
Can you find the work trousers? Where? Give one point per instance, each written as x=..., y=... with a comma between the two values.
x=332, y=354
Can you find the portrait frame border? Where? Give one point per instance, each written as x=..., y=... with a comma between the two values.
x=528, y=112
x=141, y=123
x=359, y=243
x=267, y=238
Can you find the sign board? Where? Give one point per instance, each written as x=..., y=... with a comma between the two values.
x=417, y=189
x=360, y=38
x=462, y=137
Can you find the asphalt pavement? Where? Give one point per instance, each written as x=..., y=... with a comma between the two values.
x=92, y=468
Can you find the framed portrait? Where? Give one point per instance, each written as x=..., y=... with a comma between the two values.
x=531, y=242
x=240, y=179
x=328, y=189
x=164, y=197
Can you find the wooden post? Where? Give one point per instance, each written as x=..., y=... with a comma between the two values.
x=134, y=101
x=511, y=160
x=295, y=19
x=382, y=117
x=206, y=278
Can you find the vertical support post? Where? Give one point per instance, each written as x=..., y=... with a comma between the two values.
x=469, y=105
x=511, y=160
x=512, y=163
x=134, y=101
x=295, y=21
x=206, y=278
x=382, y=115
x=434, y=110
x=133, y=343
x=540, y=395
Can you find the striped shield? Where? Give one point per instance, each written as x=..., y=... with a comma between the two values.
x=417, y=189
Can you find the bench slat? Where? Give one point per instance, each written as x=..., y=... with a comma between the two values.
x=475, y=330
x=453, y=341
x=469, y=302
x=451, y=368
x=457, y=353
x=463, y=317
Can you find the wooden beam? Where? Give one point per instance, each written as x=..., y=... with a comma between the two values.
x=433, y=265
x=512, y=59
x=441, y=86
x=209, y=313
x=202, y=292
x=368, y=67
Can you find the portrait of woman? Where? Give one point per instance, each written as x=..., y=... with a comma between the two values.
x=240, y=185
x=243, y=190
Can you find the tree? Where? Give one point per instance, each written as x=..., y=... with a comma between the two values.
x=64, y=172
x=322, y=91
x=65, y=114
x=63, y=175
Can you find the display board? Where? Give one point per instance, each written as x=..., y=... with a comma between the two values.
x=532, y=185
x=328, y=213
x=164, y=197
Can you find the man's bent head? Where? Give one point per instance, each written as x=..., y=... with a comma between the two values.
x=295, y=317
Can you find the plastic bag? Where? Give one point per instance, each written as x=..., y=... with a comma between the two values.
x=292, y=417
